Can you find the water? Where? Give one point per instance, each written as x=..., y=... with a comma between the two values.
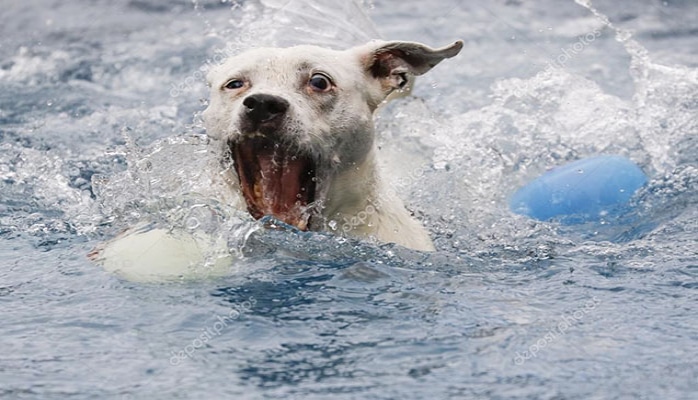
x=99, y=127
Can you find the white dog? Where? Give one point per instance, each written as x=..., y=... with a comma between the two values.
x=298, y=125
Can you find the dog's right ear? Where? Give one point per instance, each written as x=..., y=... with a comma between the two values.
x=393, y=63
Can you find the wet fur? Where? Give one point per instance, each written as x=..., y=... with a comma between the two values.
x=335, y=128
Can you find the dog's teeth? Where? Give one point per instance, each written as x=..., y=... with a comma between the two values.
x=257, y=189
x=302, y=224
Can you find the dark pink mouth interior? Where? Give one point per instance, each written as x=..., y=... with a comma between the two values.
x=274, y=180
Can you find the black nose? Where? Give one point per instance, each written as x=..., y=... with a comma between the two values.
x=264, y=107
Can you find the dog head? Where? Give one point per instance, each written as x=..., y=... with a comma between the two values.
x=294, y=118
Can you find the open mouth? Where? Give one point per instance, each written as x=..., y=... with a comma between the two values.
x=275, y=180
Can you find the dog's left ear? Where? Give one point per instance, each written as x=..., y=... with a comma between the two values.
x=394, y=62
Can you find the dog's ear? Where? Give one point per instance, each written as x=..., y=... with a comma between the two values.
x=394, y=62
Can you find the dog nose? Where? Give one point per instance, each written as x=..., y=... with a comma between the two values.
x=264, y=107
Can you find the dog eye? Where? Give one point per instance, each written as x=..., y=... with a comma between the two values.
x=234, y=84
x=320, y=83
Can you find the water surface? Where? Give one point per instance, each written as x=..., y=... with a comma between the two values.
x=99, y=127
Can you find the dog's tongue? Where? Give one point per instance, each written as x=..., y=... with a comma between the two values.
x=275, y=181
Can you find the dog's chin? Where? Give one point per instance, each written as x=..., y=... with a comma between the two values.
x=275, y=179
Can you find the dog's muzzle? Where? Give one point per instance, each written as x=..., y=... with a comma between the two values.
x=276, y=178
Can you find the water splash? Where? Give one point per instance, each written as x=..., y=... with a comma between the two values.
x=335, y=24
x=664, y=99
x=461, y=167
x=479, y=157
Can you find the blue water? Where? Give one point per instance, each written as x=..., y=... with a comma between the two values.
x=99, y=127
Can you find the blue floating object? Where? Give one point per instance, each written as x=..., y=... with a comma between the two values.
x=583, y=191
